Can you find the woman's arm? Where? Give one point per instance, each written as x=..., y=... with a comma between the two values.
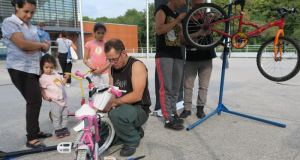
x=86, y=57
x=19, y=41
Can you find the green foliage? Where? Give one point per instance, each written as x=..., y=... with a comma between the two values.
x=257, y=11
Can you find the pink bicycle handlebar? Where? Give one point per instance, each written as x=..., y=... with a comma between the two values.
x=117, y=93
x=77, y=73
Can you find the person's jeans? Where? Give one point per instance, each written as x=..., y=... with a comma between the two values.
x=192, y=68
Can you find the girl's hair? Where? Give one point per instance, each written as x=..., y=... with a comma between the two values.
x=21, y=3
x=64, y=33
x=99, y=25
x=50, y=59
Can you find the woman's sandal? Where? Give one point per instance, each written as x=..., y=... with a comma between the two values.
x=44, y=135
x=29, y=145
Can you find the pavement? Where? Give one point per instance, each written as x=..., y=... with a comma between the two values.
x=223, y=137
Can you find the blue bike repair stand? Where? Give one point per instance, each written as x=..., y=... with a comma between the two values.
x=221, y=107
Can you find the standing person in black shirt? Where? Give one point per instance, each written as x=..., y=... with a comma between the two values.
x=132, y=109
x=169, y=60
x=197, y=62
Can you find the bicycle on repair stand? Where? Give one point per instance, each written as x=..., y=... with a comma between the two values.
x=207, y=25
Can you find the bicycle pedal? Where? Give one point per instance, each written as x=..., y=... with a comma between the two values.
x=109, y=158
x=64, y=147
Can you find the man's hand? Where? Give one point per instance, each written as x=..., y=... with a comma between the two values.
x=108, y=106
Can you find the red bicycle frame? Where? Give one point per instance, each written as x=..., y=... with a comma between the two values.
x=279, y=23
x=259, y=29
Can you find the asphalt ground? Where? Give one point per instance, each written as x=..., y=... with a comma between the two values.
x=224, y=136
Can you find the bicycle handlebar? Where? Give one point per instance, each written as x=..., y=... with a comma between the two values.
x=117, y=93
x=283, y=10
x=77, y=73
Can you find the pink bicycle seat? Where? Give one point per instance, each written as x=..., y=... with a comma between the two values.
x=85, y=111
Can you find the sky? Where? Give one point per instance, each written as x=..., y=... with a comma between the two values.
x=111, y=8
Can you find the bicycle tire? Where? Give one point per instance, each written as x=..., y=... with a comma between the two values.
x=82, y=155
x=78, y=138
x=106, y=133
x=96, y=152
x=217, y=38
x=290, y=59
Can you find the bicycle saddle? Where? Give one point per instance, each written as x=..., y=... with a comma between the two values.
x=85, y=111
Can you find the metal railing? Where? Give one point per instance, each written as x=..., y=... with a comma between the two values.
x=247, y=51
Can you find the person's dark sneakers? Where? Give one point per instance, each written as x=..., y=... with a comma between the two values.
x=174, y=125
x=185, y=113
x=200, y=113
x=59, y=133
x=65, y=131
x=127, y=151
x=34, y=145
x=44, y=135
x=176, y=117
x=140, y=131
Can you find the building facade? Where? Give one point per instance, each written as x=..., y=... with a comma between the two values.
x=61, y=15
x=58, y=15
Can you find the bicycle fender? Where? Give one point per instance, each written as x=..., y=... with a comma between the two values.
x=79, y=127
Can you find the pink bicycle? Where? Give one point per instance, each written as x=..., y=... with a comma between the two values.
x=95, y=132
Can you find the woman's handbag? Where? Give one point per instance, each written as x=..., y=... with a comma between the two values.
x=73, y=54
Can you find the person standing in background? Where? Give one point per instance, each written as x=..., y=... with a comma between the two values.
x=63, y=48
x=169, y=60
x=197, y=62
x=95, y=50
x=47, y=36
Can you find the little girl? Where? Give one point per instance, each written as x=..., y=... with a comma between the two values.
x=52, y=87
x=95, y=50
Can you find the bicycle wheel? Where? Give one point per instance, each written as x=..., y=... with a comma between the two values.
x=199, y=19
x=78, y=138
x=106, y=133
x=96, y=152
x=286, y=66
x=82, y=155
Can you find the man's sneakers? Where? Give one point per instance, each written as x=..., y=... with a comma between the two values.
x=173, y=125
x=140, y=131
x=176, y=117
x=60, y=133
x=200, y=113
x=185, y=113
x=127, y=151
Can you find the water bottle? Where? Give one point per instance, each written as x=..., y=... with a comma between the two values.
x=41, y=34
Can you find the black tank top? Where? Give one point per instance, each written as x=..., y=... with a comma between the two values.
x=168, y=45
x=122, y=79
